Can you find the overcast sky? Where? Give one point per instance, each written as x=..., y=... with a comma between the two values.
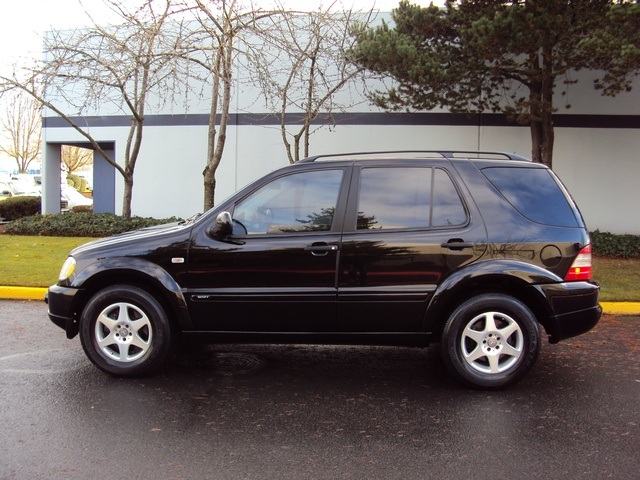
x=23, y=21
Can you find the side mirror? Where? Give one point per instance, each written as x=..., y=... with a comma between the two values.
x=223, y=227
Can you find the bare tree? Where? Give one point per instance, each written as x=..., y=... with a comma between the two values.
x=116, y=68
x=74, y=158
x=309, y=52
x=22, y=126
x=215, y=46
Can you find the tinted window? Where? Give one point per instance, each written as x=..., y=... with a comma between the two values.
x=535, y=193
x=403, y=198
x=300, y=202
x=448, y=210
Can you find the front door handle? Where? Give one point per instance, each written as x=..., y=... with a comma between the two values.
x=320, y=249
x=457, y=244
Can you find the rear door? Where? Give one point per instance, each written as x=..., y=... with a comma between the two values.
x=406, y=228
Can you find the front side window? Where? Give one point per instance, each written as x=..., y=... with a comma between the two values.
x=301, y=202
x=413, y=197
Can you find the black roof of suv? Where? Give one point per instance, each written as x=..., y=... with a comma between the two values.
x=477, y=250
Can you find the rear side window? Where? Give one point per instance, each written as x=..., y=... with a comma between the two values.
x=534, y=193
x=392, y=198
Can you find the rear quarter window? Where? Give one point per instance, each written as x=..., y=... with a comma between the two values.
x=535, y=193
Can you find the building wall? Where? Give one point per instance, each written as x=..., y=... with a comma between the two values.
x=596, y=150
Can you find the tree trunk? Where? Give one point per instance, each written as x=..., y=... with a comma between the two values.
x=128, y=195
x=536, y=140
x=541, y=109
x=209, y=173
x=209, y=189
x=548, y=135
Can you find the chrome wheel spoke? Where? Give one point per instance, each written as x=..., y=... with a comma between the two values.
x=138, y=325
x=139, y=342
x=108, y=322
x=494, y=363
x=511, y=351
x=106, y=341
x=509, y=330
x=490, y=322
x=474, y=335
x=474, y=355
x=123, y=354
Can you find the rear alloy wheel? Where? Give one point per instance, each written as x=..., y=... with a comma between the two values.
x=125, y=331
x=491, y=341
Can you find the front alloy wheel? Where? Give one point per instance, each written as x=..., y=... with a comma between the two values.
x=125, y=331
x=491, y=341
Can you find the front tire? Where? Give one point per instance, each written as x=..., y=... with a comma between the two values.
x=491, y=341
x=125, y=331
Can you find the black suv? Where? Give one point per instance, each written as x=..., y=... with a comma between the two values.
x=475, y=250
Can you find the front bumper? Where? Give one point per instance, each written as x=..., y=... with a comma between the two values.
x=61, y=308
x=574, y=309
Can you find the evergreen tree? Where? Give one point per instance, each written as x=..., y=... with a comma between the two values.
x=502, y=56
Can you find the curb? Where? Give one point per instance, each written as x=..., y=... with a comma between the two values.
x=22, y=293
x=33, y=293
x=621, y=308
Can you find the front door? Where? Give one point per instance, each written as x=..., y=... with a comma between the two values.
x=277, y=273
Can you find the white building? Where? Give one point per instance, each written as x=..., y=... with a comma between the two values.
x=597, y=151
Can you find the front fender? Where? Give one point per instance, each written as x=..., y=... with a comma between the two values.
x=136, y=269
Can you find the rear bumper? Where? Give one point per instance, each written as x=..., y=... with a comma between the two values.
x=574, y=309
x=61, y=310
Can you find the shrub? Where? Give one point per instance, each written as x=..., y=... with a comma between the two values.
x=607, y=244
x=79, y=183
x=18, y=207
x=82, y=209
x=81, y=224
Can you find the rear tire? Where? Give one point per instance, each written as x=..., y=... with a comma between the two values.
x=125, y=331
x=491, y=341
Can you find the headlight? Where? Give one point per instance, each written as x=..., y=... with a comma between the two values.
x=67, y=269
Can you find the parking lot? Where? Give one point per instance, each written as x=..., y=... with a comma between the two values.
x=292, y=412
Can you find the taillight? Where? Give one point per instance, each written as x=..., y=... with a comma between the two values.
x=581, y=266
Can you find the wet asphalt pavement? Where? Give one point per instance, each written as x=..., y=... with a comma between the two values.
x=308, y=412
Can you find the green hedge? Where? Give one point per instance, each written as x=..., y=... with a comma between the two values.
x=18, y=207
x=81, y=224
x=608, y=244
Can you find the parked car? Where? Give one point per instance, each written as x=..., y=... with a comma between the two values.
x=74, y=197
x=12, y=188
x=478, y=251
x=20, y=188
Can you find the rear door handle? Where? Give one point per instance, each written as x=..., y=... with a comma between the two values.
x=320, y=249
x=457, y=244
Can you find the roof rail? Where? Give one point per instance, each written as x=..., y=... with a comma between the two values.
x=442, y=153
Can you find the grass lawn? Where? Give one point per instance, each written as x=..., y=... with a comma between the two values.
x=619, y=279
x=33, y=261
x=36, y=262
